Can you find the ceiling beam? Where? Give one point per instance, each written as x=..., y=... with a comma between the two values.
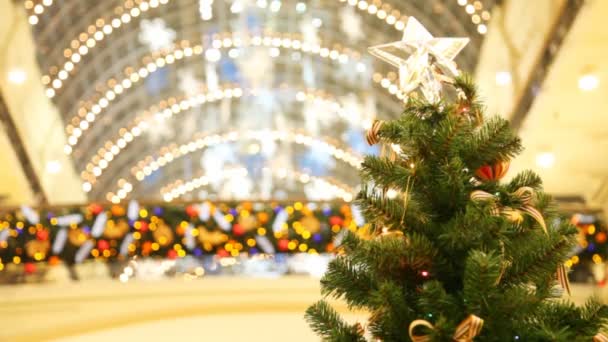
x=550, y=50
x=20, y=151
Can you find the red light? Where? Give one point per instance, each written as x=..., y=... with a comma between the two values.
x=425, y=273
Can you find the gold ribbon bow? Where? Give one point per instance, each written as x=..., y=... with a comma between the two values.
x=525, y=195
x=372, y=134
x=600, y=338
x=466, y=331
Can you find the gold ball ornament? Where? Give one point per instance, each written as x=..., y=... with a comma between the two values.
x=514, y=216
x=248, y=223
x=37, y=249
x=311, y=223
x=116, y=230
x=214, y=238
x=76, y=237
x=163, y=234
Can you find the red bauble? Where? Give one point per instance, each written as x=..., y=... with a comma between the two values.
x=95, y=208
x=42, y=235
x=238, y=229
x=54, y=260
x=493, y=172
x=102, y=245
x=283, y=245
x=222, y=253
x=191, y=211
x=336, y=220
x=172, y=254
x=29, y=267
x=143, y=226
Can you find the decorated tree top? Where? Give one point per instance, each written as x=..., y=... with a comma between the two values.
x=456, y=254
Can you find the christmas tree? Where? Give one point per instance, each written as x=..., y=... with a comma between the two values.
x=454, y=254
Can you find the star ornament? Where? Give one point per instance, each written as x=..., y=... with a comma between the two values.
x=424, y=62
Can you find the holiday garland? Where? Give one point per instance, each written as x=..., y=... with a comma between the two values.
x=74, y=234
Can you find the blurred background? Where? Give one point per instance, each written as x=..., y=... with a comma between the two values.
x=182, y=168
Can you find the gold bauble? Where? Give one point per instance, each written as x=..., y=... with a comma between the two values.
x=37, y=249
x=311, y=223
x=214, y=238
x=163, y=235
x=116, y=230
x=248, y=222
x=514, y=216
x=76, y=237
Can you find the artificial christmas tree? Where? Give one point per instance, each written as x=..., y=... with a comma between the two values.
x=457, y=255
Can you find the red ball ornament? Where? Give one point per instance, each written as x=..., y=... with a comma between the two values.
x=336, y=220
x=42, y=235
x=95, y=208
x=144, y=227
x=283, y=245
x=172, y=254
x=29, y=267
x=238, y=229
x=222, y=253
x=191, y=211
x=102, y=245
x=54, y=260
x=493, y=172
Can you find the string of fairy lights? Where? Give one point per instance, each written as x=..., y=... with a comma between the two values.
x=179, y=188
x=97, y=32
x=168, y=154
x=166, y=109
x=479, y=16
x=86, y=41
x=211, y=47
x=89, y=111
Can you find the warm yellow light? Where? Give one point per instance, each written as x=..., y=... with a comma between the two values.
x=597, y=258
x=261, y=231
x=16, y=260
x=250, y=242
x=155, y=246
x=303, y=247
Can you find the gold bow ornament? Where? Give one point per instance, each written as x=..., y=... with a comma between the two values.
x=466, y=331
x=525, y=195
x=372, y=133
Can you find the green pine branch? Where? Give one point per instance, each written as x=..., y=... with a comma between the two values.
x=494, y=141
x=348, y=280
x=326, y=322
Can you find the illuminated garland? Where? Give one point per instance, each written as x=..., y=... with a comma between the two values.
x=74, y=234
x=592, y=241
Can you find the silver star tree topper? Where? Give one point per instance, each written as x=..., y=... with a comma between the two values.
x=424, y=62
